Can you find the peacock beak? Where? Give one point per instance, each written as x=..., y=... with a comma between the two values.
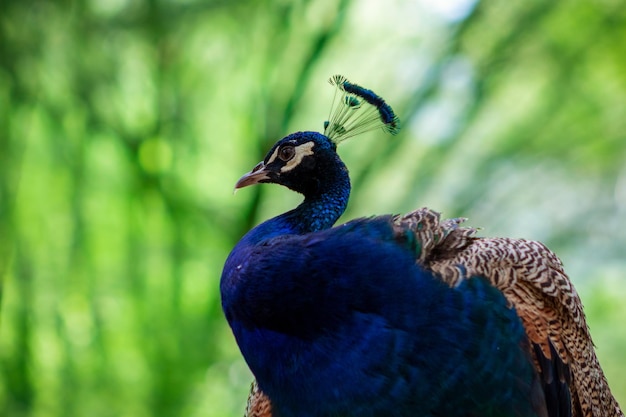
x=258, y=174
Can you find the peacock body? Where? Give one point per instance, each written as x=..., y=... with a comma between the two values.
x=398, y=315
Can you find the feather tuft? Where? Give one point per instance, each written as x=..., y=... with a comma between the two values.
x=358, y=110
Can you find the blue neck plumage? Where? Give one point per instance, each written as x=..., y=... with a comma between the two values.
x=317, y=212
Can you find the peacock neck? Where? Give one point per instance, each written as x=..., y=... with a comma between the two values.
x=319, y=210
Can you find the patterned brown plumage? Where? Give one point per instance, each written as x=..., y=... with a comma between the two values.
x=532, y=279
x=258, y=404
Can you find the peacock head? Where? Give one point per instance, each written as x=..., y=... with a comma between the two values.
x=303, y=161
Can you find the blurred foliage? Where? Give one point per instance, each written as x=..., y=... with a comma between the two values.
x=125, y=123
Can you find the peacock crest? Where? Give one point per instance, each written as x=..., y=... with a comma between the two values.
x=357, y=110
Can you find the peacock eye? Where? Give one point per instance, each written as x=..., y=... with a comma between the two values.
x=286, y=153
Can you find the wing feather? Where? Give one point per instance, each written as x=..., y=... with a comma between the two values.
x=258, y=403
x=532, y=279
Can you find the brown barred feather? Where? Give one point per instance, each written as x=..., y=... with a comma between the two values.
x=532, y=279
x=258, y=404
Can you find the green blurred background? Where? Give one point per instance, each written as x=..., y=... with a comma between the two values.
x=125, y=123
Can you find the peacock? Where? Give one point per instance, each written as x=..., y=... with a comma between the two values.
x=398, y=315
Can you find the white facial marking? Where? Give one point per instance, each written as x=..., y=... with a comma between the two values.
x=273, y=157
x=301, y=151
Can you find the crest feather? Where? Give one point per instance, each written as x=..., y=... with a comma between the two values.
x=358, y=110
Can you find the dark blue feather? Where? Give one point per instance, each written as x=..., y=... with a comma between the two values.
x=343, y=322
